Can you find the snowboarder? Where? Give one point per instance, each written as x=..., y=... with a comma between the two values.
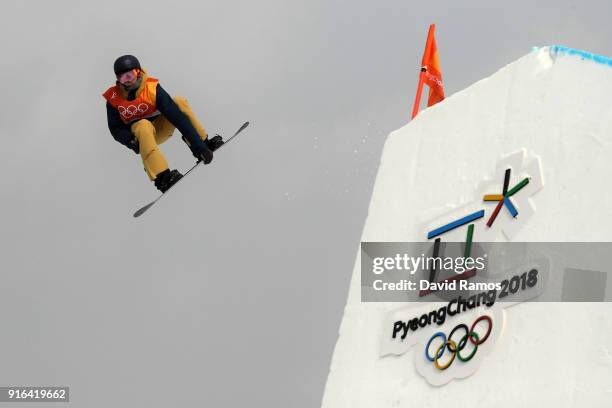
x=141, y=115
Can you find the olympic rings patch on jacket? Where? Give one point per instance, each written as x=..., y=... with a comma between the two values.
x=131, y=110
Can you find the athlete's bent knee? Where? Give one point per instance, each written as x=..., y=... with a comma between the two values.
x=142, y=127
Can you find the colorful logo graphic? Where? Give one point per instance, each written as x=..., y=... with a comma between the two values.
x=455, y=348
x=530, y=181
x=445, y=349
x=475, y=327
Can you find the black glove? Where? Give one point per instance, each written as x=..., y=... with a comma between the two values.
x=134, y=145
x=200, y=150
x=204, y=154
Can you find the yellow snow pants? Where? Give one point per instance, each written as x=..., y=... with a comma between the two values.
x=151, y=133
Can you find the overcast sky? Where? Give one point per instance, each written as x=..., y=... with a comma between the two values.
x=231, y=291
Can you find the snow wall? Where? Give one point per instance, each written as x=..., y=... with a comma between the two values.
x=553, y=106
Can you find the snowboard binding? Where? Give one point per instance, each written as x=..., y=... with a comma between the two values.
x=167, y=179
x=214, y=142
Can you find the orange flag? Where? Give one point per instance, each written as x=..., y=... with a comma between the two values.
x=431, y=74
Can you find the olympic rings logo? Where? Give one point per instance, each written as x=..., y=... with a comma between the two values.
x=456, y=348
x=132, y=110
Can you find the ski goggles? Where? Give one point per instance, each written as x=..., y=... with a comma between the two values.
x=127, y=76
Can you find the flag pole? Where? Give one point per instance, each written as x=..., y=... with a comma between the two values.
x=417, y=100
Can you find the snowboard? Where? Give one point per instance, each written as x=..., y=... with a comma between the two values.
x=152, y=203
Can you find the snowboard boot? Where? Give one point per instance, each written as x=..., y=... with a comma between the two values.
x=214, y=142
x=167, y=179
